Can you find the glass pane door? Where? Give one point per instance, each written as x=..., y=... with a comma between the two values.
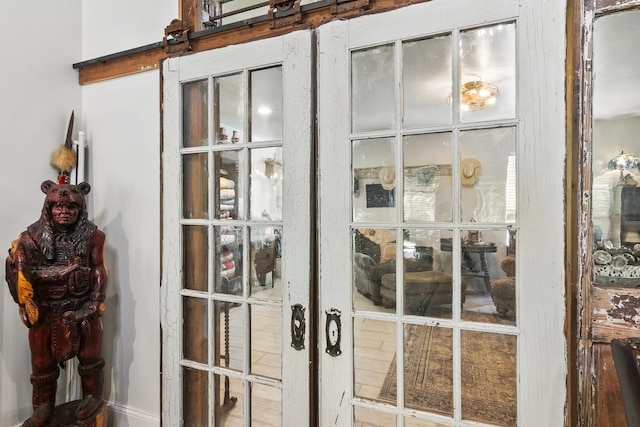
x=234, y=269
x=420, y=174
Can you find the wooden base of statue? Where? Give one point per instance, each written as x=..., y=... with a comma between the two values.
x=64, y=416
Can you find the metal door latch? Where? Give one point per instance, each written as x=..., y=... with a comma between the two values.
x=333, y=332
x=298, y=326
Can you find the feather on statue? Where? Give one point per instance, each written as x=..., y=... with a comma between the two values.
x=63, y=159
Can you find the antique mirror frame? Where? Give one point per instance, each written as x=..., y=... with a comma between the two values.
x=595, y=305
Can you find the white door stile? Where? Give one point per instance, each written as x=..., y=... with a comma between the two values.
x=334, y=160
x=294, y=53
x=542, y=346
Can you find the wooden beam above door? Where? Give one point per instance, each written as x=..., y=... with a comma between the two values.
x=149, y=57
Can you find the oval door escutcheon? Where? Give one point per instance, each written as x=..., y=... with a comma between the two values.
x=333, y=332
x=298, y=326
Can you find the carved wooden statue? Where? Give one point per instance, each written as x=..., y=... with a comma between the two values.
x=56, y=274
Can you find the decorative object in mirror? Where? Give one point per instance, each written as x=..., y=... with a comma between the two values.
x=623, y=162
x=477, y=94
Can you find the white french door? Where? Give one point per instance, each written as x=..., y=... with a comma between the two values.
x=441, y=144
x=236, y=200
x=440, y=130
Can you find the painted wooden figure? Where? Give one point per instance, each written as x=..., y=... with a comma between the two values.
x=56, y=274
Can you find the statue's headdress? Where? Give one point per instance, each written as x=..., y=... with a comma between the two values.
x=63, y=158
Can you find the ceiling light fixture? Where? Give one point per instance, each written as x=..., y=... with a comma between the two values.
x=476, y=95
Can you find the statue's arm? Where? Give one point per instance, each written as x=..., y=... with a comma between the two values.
x=98, y=274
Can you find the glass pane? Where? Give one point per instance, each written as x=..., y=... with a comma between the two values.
x=229, y=330
x=615, y=193
x=229, y=257
x=266, y=184
x=428, y=369
x=374, y=359
x=428, y=273
x=488, y=73
x=195, y=401
x=489, y=378
x=374, y=258
x=229, y=107
x=488, y=268
x=488, y=175
x=414, y=422
x=427, y=177
x=229, y=170
x=195, y=127
x=266, y=251
x=230, y=401
x=373, y=105
x=195, y=186
x=266, y=406
x=195, y=250
x=427, y=81
x=366, y=417
x=195, y=331
x=374, y=180
x=266, y=341
x=266, y=105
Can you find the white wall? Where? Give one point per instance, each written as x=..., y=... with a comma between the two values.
x=38, y=92
x=122, y=120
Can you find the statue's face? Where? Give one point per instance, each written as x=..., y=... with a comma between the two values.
x=65, y=213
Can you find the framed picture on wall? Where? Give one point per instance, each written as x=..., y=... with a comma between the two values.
x=378, y=197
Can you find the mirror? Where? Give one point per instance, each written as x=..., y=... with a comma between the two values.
x=615, y=167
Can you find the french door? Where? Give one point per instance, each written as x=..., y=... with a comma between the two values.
x=236, y=253
x=441, y=146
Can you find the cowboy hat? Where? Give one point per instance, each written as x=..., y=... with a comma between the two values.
x=387, y=177
x=469, y=171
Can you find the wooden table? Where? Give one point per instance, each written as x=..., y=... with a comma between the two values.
x=468, y=248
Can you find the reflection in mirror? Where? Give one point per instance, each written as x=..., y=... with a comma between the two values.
x=195, y=266
x=488, y=274
x=488, y=175
x=229, y=184
x=266, y=184
x=266, y=105
x=266, y=341
x=489, y=363
x=426, y=81
x=229, y=259
x=195, y=397
x=615, y=210
x=229, y=109
x=374, y=363
x=428, y=273
x=373, y=89
x=427, y=177
x=195, y=98
x=265, y=267
x=229, y=334
x=374, y=180
x=374, y=257
x=229, y=395
x=488, y=73
x=266, y=405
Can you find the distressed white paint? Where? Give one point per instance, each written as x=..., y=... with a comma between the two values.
x=294, y=52
x=541, y=153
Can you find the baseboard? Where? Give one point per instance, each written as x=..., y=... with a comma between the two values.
x=120, y=415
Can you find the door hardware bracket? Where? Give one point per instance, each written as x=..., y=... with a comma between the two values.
x=298, y=326
x=283, y=6
x=176, y=39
